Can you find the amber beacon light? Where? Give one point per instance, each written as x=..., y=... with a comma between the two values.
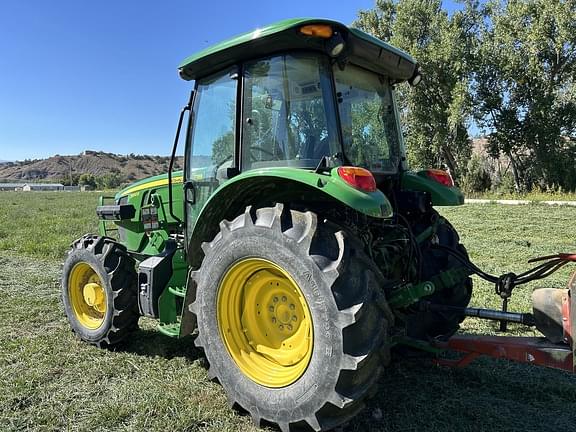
x=317, y=30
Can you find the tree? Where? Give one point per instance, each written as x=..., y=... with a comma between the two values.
x=436, y=112
x=477, y=177
x=524, y=88
x=109, y=181
x=87, y=179
x=67, y=181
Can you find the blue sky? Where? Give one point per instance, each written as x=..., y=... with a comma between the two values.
x=102, y=75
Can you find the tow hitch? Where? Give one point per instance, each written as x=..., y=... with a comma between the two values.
x=554, y=315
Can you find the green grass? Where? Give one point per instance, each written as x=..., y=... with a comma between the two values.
x=530, y=196
x=43, y=224
x=502, y=238
x=50, y=381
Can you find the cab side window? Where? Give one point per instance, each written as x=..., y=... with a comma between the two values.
x=213, y=131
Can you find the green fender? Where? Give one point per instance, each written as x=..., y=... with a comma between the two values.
x=441, y=195
x=263, y=187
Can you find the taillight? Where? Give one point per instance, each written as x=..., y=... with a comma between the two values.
x=440, y=176
x=359, y=178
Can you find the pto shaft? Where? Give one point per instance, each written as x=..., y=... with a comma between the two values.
x=490, y=314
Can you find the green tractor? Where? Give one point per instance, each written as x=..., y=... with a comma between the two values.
x=295, y=245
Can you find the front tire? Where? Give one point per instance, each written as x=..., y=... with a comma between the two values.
x=99, y=291
x=278, y=267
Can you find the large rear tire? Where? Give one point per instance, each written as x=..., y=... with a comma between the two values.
x=99, y=290
x=429, y=325
x=290, y=318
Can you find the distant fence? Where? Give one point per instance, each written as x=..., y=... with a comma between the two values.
x=29, y=187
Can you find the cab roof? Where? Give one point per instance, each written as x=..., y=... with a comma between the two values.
x=361, y=49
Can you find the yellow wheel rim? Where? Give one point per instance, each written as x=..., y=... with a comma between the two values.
x=87, y=297
x=265, y=322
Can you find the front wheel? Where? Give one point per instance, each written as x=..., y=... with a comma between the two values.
x=99, y=290
x=290, y=318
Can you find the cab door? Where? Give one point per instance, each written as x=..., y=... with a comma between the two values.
x=210, y=142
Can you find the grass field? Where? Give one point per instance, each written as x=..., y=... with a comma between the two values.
x=49, y=381
x=530, y=196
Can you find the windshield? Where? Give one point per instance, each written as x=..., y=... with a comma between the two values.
x=367, y=118
x=288, y=113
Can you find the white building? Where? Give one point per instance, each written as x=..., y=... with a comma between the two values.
x=43, y=187
x=11, y=186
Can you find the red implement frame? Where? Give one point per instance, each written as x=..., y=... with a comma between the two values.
x=536, y=351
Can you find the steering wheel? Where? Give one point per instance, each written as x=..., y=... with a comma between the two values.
x=263, y=150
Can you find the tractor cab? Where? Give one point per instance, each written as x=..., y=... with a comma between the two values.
x=296, y=94
x=299, y=110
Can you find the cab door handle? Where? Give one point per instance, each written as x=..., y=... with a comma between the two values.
x=190, y=193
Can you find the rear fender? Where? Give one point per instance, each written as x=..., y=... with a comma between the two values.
x=440, y=195
x=271, y=185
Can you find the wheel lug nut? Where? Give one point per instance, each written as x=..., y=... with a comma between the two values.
x=275, y=299
x=271, y=308
x=292, y=307
x=289, y=327
x=284, y=298
x=281, y=327
x=294, y=318
x=273, y=320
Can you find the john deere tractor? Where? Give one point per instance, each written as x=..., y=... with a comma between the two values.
x=296, y=245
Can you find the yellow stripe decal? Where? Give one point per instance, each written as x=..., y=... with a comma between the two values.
x=155, y=183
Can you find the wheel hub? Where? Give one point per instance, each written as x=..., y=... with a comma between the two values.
x=265, y=322
x=87, y=296
x=94, y=296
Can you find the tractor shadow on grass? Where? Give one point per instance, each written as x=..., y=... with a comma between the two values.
x=416, y=395
x=151, y=343
x=489, y=395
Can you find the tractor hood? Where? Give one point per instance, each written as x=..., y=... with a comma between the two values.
x=150, y=183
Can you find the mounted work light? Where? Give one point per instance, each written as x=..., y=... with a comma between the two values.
x=416, y=77
x=335, y=45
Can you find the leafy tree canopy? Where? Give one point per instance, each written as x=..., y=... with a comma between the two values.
x=524, y=88
x=435, y=113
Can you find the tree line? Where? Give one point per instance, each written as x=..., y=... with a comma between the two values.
x=111, y=180
x=505, y=69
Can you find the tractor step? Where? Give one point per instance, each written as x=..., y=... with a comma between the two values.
x=170, y=329
x=179, y=291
